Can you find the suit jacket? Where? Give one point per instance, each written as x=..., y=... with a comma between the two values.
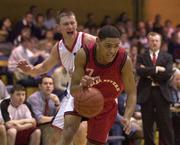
x=148, y=74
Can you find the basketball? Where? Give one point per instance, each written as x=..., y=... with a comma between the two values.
x=89, y=102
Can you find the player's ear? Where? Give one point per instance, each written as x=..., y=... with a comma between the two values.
x=97, y=40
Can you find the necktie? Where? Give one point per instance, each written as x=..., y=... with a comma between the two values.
x=46, y=112
x=154, y=58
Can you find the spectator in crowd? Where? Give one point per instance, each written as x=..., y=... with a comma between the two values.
x=90, y=23
x=27, y=21
x=34, y=10
x=5, y=29
x=155, y=69
x=157, y=25
x=3, y=94
x=174, y=46
x=50, y=20
x=175, y=93
x=3, y=137
x=5, y=34
x=107, y=20
x=40, y=29
x=25, y=34
x=45, y=105
x=20, y=125
x=24, y=51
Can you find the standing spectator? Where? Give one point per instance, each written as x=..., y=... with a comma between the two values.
x=155, y=69
x=45, y=105
x=21, y=127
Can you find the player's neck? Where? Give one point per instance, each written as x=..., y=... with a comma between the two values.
x=69, y=40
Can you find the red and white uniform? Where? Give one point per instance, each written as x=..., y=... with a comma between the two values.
x=110, y=84
x=67, y=57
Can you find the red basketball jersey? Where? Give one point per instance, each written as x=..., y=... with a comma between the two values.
x=109, y=80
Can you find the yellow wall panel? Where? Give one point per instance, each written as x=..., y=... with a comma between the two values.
x=168, y=9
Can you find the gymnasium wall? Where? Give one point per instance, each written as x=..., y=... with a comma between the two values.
x=169, y=9
x=16, y=8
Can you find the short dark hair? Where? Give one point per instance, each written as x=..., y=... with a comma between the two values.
x=64, y=12
x=17, y=87
x=44, y=76
x=108, y=31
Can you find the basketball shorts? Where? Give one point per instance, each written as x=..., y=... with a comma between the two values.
x=99, y=126
x=67, y=104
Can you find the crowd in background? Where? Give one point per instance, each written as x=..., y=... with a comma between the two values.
x=33, y=36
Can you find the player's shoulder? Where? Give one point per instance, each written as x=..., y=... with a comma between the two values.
x=88, y=38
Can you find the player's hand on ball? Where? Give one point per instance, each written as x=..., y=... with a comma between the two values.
x=86, y=81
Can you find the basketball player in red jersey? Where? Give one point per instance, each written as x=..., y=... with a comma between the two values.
x=106, y=67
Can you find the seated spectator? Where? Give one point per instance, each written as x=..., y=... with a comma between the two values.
x=175, y=93
x=24, y=34
x=40, y=29
x=20, y=125
x=50, y=20
x=3, y=94
x=3, y=137
x=45, y=105
x=174, y=46
x=26, y=21
x=23, y=51
x=5, y=32
x=5, y=29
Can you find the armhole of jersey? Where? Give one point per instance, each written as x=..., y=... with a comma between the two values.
x=87, y=55
x=82, y=40
x=123, y=61
x=60, y=62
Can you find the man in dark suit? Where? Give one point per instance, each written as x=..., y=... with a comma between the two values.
x=155, y=69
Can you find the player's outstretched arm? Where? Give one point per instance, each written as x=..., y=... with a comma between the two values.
x=79, y=72
x=130, y=89
x=41, y=68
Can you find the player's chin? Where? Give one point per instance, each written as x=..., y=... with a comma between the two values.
x=109, y=60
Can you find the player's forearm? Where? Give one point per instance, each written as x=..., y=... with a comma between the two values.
x=38, y=70
x=130, y=106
